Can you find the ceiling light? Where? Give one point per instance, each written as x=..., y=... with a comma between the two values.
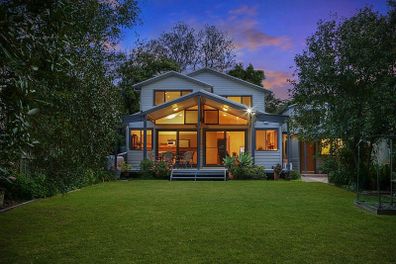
x=170, y=116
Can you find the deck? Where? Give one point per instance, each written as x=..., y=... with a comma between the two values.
x=205, y=173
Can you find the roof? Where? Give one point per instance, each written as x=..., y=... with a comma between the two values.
x=222, y=100
x=167, y=75
x=229, y=77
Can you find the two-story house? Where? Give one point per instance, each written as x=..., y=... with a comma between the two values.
x=202, y=117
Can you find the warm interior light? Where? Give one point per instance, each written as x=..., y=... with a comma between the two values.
x=225, y=109
x=175, y=109
x=171, y=116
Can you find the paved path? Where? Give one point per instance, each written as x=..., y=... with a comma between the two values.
x=313, y=178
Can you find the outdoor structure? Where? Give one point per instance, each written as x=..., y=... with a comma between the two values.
x=195, y=120
x=382, y=199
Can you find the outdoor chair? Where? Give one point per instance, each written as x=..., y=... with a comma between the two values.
x=187, y=158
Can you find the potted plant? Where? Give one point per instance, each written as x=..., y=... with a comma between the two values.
x=229, y=163
x=277, y=171
x=125, y=168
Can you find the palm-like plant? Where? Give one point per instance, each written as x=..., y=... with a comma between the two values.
x=245, y=160
x=229, y=162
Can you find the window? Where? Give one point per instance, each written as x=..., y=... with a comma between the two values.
x=164, y=96
x=267, y=139
x=211, y=117
x=176, y=118
x=136, y=137
x=228, y=119
x=191, y=117
x=246, y=100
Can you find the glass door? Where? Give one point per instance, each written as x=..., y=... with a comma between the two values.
x=220, y=144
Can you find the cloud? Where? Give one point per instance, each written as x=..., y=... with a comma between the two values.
x=276, y=81
x=244, y=10
x=243, y=26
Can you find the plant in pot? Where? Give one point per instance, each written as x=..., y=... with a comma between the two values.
x=229, y=163
x=125, y=168
x=277, y=171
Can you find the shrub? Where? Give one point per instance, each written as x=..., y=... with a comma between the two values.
x=162, y=170
x=147, y=168
x=29, y=186
x=294, y=175
x=329, y=164
x=243, y=167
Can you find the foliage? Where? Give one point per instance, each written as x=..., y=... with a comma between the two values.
x=192, y=49
x=162, y=169
x=345, y=87
x=58, y=103
x=147, y=168
x=155, y=169
x=125, y=167
x=249, y=74
x=294, y=175
x=256, y=77
x=242, y=167
x=137, y=67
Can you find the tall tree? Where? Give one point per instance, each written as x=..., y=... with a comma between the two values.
x=346, y=85
x=256, y=77
x=191, y=48
x=55, y=63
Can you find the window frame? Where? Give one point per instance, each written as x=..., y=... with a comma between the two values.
x=266, y=129
x=250, y=96
x=170, y=90
x=141, y=135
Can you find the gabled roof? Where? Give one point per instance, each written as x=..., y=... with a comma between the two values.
x=222, y=100
x=167, y=75
x=229, y=77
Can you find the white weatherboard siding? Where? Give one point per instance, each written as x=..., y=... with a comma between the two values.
x=223, y=86
x=268, y=159
x=134, y=158
x=171, y=83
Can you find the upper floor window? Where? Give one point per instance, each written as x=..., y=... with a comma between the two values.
x=267, y=139
x=164, y=96
x=136, y=136
x=245, y=99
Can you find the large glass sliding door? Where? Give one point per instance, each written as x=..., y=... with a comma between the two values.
x=181, y=144
x=222, y=143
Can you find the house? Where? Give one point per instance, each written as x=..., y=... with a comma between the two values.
x=201, y=117
x=304, y=156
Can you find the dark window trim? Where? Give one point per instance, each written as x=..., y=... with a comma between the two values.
x=177, y=130
x=224, y=130
x=251, y=97
x=169, y=90
x=141, y=134
x=277, y=139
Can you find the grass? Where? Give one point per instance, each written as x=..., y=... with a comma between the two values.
x=146, y=221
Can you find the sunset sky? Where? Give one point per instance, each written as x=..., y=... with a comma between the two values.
x=267, y=33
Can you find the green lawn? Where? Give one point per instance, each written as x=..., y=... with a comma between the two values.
x=145, y=221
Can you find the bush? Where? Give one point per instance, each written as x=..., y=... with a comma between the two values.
x=329, y=164
x=147, y=168
x=29, y=186
x=294, y=175
x=157, y=169
x=162, y=170
x=242, y=167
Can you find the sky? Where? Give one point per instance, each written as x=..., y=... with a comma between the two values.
x=267, y=33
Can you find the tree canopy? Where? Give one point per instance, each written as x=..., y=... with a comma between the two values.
x=193, y=49
x=58, y=103
x=256, y=77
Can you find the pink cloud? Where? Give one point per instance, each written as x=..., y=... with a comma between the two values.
x=244, y=10
x=277, y=81
x=246, y=32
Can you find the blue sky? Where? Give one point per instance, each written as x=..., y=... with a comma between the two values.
x=267, y=33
